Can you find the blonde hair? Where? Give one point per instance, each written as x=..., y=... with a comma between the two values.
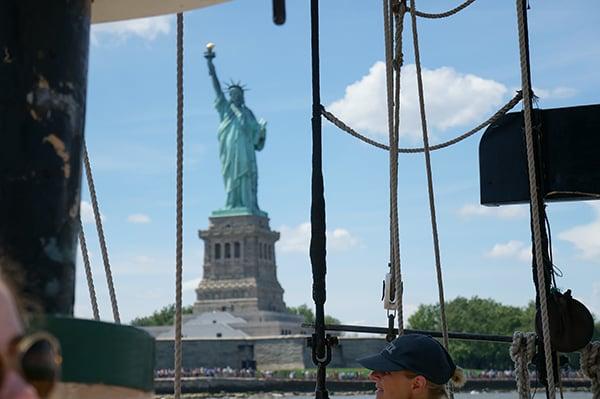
x=439, y=391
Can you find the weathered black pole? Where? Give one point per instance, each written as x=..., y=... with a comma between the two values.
x=43, y=79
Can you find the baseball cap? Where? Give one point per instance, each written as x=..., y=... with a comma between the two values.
x=418, y=353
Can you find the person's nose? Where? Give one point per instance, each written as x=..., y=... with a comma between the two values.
x=14, y=387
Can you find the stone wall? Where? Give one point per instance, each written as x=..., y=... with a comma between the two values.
x=270, y=353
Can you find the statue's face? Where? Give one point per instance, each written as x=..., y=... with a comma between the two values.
x=237, y=96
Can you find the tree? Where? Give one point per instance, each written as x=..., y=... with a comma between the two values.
x=477, y=315
x=162, y=317
x=309, y=316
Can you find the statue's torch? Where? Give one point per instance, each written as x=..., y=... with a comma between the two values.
x=209, y=53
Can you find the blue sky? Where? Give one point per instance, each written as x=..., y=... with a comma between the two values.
x=471, y=69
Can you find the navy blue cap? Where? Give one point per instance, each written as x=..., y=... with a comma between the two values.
x=418, y=353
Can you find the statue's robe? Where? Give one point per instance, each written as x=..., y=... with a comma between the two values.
x=240, y=135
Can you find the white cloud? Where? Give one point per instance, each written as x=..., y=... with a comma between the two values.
x=511, y=250
x=297, y=239
x=502, y=212
x=138, y=218
x=144, y=28
x=452, y=99
x=586, y=237
x=557, y=93
x=86, y=213
x=190, y=284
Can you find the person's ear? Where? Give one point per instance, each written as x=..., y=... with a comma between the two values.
x=419, y=384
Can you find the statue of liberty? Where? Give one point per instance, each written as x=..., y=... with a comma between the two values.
x=240, y=135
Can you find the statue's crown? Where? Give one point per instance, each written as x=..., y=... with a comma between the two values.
x=236, y=85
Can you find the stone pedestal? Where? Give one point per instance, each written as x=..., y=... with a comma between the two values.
x=240, y=271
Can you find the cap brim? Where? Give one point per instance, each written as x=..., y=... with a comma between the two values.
x=379, y=362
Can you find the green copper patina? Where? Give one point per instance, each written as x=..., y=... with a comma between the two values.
x=240, y=135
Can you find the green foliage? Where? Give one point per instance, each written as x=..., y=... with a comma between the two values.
x=162, y=317
x=309, y=316
x=477, y=315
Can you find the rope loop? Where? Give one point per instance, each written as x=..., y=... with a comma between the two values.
x=445, y=14
x=521, y=352
x=493, y=119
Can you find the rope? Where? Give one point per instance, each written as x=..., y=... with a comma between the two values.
x=88, y=271
x=340, y=124
x=533, y=191
x=98, y=220
x=434, y=230
x=447, y=13
x=590, y=365
x=521, y=352
x=179, y=216
x=389, y=85
x=398, y=61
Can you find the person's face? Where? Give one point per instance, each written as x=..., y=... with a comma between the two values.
x=12, y=385
x=237, y=96
x=398, y=385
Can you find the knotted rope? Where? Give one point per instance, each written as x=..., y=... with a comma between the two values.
x=533, y=191
x=179, y=216
x=98, y=220
x=88, y=271
x=344, y=127
x=522, y=351
x=590, y=365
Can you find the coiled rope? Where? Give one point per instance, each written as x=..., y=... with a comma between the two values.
x=522, y=351
x=533, y=191
x=344, y=127
x=179, y=216
x=98, y=220
x=590, y=365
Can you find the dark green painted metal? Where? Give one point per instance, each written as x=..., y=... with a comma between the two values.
x=96, y=352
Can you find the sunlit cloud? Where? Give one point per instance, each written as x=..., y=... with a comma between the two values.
x=453, y=99
x=297, y=239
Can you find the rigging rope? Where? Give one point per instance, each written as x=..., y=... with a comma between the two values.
x=521, y=352
x=590, y=365
x=98, y=220
x=393, y=104
x=179, y=216
x=447, y=13
x=434, y=230
x=533, y=191
x=398, y=61
x=88, y=271
x=340, y=124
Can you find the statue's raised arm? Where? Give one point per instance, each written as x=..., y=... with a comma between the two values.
x=209, y=54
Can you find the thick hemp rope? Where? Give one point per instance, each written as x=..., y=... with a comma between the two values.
x=434, y=230
x=398, y=62
x=590, y=365
x=521, y=352
x=344, y=127
x=447, y=13
x=393, y=103
x=179, y=216
x=533, y=191
x=88, y=271
x=98, y=220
